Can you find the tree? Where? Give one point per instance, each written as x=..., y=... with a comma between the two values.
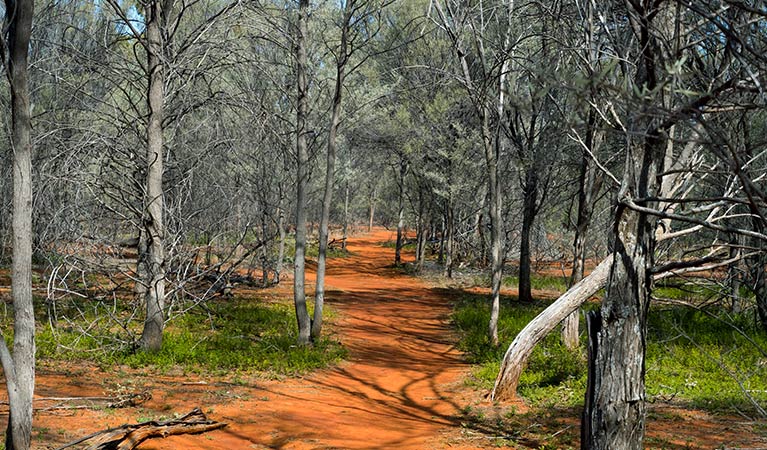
x=357, y=18
x=19, y=365
x=151, y=336
x=492, y=71
x=302, y=161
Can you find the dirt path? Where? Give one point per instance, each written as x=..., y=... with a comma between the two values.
x=394, y=392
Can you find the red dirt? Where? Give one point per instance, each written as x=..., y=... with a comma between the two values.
x=401, y=387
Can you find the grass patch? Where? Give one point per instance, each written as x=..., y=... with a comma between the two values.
x=694, y=357
x=230, y=334
x=554, y=374
x=409, y=244
x=540, y=282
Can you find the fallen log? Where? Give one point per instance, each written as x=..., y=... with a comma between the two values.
x=127, y=400
x=129, y=436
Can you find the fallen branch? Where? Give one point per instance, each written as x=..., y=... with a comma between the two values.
x=120, y=401
x=128, y=437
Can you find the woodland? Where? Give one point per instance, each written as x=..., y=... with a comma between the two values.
x=559, y=206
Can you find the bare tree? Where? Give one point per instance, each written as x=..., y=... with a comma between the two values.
x=302, y=162
x=19, y=365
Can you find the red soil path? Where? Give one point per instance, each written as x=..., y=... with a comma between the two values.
x=401, y=387
x=394, y=392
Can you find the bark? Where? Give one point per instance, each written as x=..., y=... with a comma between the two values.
x=19, y=367
x=590, y=182
x=449, y=231
x=373, y=195
x=264, y=249
x=618, y=395
x=480, y=231
x=335, y=119
x=151, y=336
x=142, y=253
x=401, y=211
x=529, y=210
x=496, y=236
x=734, y=271
x=281, y=249
x=617, y=400
x=420, y=232
x=522, y=347
x=346, y=217
x=758, y=279
x=302, y=161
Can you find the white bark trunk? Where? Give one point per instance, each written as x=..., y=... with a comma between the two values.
x=520, y=349
x=151, y=336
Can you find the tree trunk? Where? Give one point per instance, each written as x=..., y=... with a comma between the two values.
x=521, y=348
x=496, y=229
x=302, y=153
x=142, y=277
x=264, y=248
x=420, y=232
x=617, y=400
x=529, y=210
x=19, y=368
x=734, y=271
x=281, y=249
x=151, y=336
x=372, y=208
x=346, y=217
x=480, y=232
x=401, y=211
x=335, y=119
x=756, y=264
x=590, y=182
x=449, y=230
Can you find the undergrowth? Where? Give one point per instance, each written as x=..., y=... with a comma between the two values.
x=704, y=358
x=227, y=335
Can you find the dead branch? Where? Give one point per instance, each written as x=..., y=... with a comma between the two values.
x=129, y=436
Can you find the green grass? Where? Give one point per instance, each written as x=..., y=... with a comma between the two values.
x=540, y=282
x=232, y=335
x=409, y=245
x=693, y=357
x=554, y=374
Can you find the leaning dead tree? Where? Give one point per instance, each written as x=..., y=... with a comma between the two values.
x=522, y=347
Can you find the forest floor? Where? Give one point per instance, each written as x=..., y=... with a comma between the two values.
x=401, y=387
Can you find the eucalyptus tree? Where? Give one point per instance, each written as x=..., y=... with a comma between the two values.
x=19, y=362
x=359, y=24
x=482, y=48
x=658, y=106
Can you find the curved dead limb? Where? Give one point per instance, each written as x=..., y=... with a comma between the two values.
x=516, y=356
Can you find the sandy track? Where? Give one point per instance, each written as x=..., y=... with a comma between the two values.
x=395, y=391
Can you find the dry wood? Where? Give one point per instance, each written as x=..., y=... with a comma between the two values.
x=520, y=349
x=129, y=436
x=120, y=401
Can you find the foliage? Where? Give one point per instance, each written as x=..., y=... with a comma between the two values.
x=227, y=334
x=706, y=358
